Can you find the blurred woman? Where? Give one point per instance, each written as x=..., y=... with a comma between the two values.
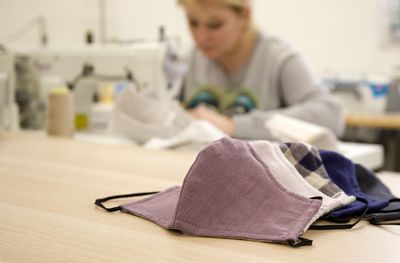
x=239, y=78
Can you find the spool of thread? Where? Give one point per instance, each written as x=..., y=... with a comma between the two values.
x=60, y=113
x=3, y=81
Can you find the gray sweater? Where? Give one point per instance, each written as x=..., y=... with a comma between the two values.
x=281, y=80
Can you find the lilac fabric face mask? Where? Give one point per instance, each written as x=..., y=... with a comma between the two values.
x=228, y=193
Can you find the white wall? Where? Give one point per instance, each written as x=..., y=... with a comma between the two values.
x=67, y=21
x=338, y=35
x=335, y=34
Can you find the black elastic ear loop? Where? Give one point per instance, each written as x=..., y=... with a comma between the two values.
x=99, y=202
x=378, y=222
x=300, y=242
x=343, y=226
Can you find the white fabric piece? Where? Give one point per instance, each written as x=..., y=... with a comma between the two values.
x=141, y=118
x=288, y=129
x=287, y=175
x=198, y=134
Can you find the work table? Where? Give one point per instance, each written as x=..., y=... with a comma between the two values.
x=48, y=187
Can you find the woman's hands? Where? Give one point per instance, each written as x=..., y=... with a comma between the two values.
x=218, y=120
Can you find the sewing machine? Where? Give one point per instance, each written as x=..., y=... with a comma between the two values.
x=94, y=73
x=8, y=109
x=360, y=95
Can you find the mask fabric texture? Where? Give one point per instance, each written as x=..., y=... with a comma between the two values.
x=371, y=185
x=229, y=193
x=342, y=172
x=307, y=161
x=285, y=173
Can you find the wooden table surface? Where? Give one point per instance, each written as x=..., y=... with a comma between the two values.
x=47, y=190
x=379, y=121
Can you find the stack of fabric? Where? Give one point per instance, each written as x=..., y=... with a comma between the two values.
x=266, y=192
x=353, y=179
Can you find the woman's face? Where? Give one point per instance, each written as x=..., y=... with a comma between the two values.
x=217, y=30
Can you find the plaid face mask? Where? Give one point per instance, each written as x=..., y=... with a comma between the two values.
x=308, y=162
x=228, y=193
x=287, y=175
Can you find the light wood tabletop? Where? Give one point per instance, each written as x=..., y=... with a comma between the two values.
x=379, y=121
x=48, y=187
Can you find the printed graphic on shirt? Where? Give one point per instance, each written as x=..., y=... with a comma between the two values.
x=229, y=103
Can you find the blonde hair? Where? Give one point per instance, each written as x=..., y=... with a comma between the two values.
x=237, y=5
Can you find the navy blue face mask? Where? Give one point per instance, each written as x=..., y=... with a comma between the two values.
x=342, y=172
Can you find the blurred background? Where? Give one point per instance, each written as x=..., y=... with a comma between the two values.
x=97, y=48
x=336, y=35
